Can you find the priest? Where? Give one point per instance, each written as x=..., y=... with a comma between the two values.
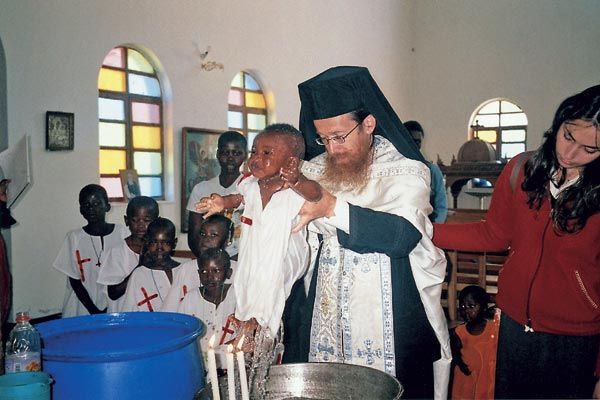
x=372, y=293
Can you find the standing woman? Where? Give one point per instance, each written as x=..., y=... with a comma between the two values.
x=545, y=210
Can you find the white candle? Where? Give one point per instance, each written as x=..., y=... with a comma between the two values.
x=230, y=373
x=212, y=369
x=242, y=368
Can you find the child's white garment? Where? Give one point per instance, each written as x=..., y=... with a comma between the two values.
x=80, y=257
x=150, y=289
x=117, y=264
x=213, y=317
x=271, y=258
x=205, y=189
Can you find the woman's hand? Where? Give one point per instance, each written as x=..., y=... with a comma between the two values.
x=596, y=393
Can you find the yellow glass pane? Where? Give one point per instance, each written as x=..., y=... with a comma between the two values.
x=255, y=100
x=238, y=80
x=146, y=137
x=136, y=61
x=111, y=161
x=488, y=136
x=112, y=80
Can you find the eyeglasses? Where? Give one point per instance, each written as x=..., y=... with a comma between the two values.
x=335, y=139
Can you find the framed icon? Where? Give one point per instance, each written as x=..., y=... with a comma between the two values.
x=60, y=131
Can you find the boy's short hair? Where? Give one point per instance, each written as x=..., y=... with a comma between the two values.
x=232, y=136
x=93, y=188
x=161, y=224
x=142, y=202
x=218, y=255
x=414, y=126
x=294, y=135
x=223, y=220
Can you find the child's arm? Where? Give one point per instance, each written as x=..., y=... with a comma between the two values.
x=215, y=204
x=456, y=346
x=306, y=188
x=84, y=296
x=115, y=292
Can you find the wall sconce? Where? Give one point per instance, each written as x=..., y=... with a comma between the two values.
x=208, y=65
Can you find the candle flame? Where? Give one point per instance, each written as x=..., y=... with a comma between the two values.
x=241, y=343
x=230, y=348
x=211, y=342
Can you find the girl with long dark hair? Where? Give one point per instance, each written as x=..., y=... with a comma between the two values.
x=545, y=211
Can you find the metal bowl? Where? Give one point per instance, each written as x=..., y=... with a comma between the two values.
x=320, y=381
x=330, y=381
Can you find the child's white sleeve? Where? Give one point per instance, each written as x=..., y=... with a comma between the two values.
x=65, y=260
x=129, y=300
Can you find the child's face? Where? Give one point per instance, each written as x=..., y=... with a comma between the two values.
x=470, y=309
x=231, y=155
x=159, y=247
x=212, y=236
x=213, y=273
x=270, y=153
x=139, y=221
x=93, y=207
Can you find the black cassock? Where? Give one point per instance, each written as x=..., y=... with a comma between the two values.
x=415, y=343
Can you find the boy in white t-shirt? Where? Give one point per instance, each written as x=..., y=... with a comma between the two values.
x=231, y=154
x=121, y=259
x=213, y=301
x=159, y=279
x=80, y=257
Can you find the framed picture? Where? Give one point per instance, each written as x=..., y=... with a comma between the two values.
x=199, y=163
x=60, y=130
x=130, y=183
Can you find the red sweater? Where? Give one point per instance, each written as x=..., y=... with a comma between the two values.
x=550, y=279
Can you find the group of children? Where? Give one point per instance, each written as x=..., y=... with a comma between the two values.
x=115, y=269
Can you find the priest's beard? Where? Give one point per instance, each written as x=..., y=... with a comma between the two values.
x=350, y=176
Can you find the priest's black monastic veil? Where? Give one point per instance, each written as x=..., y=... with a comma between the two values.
x=340, y=90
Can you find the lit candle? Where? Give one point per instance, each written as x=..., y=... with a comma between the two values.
x=230, y=373
x=212, y=369
x=242, y=368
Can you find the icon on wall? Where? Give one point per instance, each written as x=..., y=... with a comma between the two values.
x=60, y=130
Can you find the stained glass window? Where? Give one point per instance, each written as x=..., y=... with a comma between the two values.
x=130, y=122
x=247, y=106
x=503, y=124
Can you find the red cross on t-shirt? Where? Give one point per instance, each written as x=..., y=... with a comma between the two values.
x=147, y=299
x=80, y=262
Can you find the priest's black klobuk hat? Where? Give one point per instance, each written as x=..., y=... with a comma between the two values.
x=341, y=90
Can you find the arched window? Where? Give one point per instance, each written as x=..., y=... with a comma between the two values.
x=130, y=123
x=503, y=124
x=247, y=106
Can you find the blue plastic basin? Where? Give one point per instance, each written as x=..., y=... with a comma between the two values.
x=25, y=386
x=149, y=355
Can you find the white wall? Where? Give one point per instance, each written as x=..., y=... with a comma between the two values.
x=54, y=49
x=534, y=52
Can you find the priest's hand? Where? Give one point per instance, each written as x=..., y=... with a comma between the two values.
x=314, y=210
